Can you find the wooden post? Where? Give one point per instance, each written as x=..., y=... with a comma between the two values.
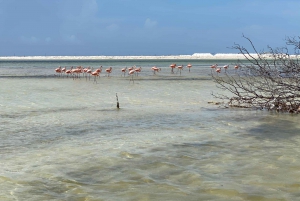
x=118, y=105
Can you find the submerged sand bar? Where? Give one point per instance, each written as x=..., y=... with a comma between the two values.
x=196, y=56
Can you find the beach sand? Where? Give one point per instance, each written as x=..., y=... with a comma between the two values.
x=196, y=56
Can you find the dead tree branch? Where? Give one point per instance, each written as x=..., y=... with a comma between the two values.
x=266, y=80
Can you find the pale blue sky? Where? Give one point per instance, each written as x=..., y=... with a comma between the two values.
x=143, y=27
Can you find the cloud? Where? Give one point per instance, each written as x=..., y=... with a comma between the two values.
x=149, y=23
x=30, y=40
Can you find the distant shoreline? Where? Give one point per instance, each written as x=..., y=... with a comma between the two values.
x=196, y=56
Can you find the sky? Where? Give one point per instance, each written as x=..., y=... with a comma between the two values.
x=143, y=27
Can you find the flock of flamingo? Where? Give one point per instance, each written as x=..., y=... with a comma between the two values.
x=218, y=69
x=88, y=72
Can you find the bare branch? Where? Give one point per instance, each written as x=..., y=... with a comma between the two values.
x=267, y=80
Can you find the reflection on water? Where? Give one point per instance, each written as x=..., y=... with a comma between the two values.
x=64, y=139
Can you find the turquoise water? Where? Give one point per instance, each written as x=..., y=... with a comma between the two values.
x=64, y=138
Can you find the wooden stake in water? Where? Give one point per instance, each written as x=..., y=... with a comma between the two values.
x=118, y=106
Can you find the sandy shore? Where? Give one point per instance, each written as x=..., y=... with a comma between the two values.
x=204, y=56
x=196, y=56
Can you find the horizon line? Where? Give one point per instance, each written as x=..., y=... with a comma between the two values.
x=195, y=56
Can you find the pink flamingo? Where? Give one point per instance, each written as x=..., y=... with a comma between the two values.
x=96, y=73
x=155, y=69
x=108, y=71
x=131, y=72
x=89, y=72
x=180, y=68
x=218, y=70
x=138, y=70
x=226, y=67
x=172, y=66
x=58, y=70
x=131, y=68
x=214, y=66
x=84, y=70
x=68, y=72
x=99, y=70
x=189, y=66
x=236, y=67
x=124, y=71
x=77, y=70
x=63, y=70
x=80, y=71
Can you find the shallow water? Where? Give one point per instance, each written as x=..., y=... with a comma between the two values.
x=64, y=139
